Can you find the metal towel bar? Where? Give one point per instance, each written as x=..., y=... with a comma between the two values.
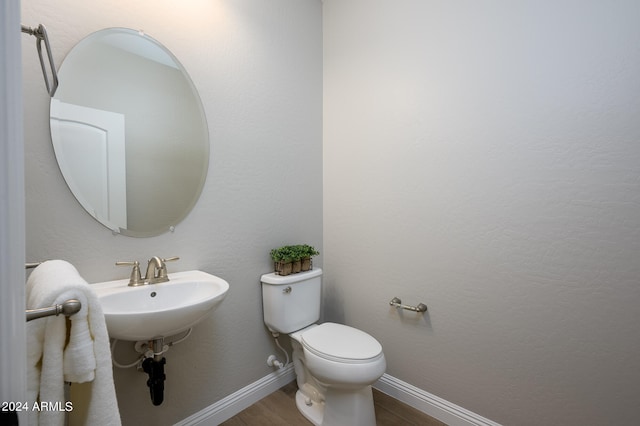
x=398, y=304
x=67, y=308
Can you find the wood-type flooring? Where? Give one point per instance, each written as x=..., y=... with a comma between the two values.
x=279, y=409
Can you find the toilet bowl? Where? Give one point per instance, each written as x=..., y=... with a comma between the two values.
x=341, y=364
x=335, y=364
x=342, y=356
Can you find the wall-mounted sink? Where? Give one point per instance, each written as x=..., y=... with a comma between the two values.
x=159, y=310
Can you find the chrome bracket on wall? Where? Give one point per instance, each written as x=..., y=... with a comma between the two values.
x=398, y=304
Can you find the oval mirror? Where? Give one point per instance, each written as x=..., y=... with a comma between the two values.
x=129, y=132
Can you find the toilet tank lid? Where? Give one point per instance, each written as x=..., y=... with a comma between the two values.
x=341, y=342
x=274, y=279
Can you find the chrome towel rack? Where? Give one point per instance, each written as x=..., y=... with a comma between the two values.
x=67, y=308
x=40, y=33
x=398, y=304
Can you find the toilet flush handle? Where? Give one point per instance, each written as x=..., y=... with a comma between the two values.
x=287, y=290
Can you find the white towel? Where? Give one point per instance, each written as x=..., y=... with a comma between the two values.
x=87, y=356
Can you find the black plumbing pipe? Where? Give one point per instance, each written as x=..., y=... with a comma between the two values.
x=155, y=370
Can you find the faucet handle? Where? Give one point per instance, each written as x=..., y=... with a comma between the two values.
x=162, y=274
x=135, y=279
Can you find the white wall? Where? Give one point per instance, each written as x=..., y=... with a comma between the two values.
x=483, y=158
x=258, y=68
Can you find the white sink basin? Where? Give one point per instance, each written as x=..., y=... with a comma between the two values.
x=159, y=310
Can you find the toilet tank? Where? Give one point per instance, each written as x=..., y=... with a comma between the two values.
x=291, y=302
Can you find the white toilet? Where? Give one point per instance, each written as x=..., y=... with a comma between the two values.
x=335, y=364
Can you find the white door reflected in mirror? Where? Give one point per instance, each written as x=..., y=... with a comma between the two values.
x=89, y=147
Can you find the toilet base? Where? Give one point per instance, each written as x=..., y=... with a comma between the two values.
x=341, y=407
x=313, y=411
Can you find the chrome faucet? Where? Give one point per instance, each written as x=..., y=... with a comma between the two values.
x=156, y=271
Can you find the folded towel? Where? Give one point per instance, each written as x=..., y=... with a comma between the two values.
x=87, y=356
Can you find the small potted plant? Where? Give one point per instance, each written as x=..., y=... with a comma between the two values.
x=293, y=258
x=296, y=256
x=282, y=260
x=306, y=253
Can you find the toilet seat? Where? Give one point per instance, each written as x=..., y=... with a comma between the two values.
x=341, y=343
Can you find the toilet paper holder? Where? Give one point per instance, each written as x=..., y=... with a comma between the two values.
x=398, y=304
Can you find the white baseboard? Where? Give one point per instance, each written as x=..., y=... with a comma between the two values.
x=445, y=411
x=419, y=399
x=231, y=405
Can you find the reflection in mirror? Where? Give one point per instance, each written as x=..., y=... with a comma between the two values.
x=129, y=132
